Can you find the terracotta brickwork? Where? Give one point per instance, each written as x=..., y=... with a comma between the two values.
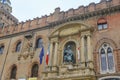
x=59, y=16
x=58, y=29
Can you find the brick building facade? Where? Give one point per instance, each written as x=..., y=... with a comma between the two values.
x=83, y=44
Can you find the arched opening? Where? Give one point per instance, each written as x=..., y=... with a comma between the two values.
x=18, y=47
x=110, y=78
x=106, y=59
x=13, y=72
x=1, y=49
x=69, y=54
x=39, y=43
x=34, y=70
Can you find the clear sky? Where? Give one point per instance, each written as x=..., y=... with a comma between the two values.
x=29, y=9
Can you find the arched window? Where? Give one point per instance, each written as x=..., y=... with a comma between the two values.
x=106, y=58
x=85, y=51
x=1, y=49
x=13, y=72
x=18, y=47
x=110, y=78
x=39, y=43
x=34, y=70
x=69, y=54
x=102, y=24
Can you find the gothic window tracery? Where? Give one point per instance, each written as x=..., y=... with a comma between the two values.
x=106, y=58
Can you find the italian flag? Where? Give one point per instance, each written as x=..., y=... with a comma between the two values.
x=47, y=57
x=78, y=53
x=47, y=54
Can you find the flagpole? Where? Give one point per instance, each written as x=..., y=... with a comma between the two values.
x=44, y=62
x=47, y=47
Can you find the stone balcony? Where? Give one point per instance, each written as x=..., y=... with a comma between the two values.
x=68, y=71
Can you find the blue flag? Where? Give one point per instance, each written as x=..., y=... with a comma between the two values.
x=41, y=55
x=3, y=1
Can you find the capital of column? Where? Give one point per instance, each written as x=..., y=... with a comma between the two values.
x=88, y=35
x=54, y=41
x=82, y=36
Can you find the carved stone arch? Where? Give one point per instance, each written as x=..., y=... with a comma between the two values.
x=68, y=31
x=68, y=40
x=108, y=77
x=105, y=40
x=15, y=44
x=30, y=67
x=76, y=26
x=63, y=45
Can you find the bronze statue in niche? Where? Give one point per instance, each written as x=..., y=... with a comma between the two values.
x=69, y=53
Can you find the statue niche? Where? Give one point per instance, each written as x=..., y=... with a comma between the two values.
x=69, y=53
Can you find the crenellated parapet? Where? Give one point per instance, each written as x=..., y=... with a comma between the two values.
x=59, y=17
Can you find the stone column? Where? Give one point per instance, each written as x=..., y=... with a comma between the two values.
x=90, y=54
x=50, y=56
x=55, y=54
x=82, y=51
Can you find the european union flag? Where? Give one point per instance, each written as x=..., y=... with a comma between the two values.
x=3, y=1
x=41, y=55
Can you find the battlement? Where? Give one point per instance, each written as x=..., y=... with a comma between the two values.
x=61, y=16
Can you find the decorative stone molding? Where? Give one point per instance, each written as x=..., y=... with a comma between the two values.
x=25, y=55
x=103, y=40
x=67, y=71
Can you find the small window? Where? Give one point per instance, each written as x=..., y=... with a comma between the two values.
x=39, y=43
x=1, y=49
x=13, y=72
x=18, y=46
x=102, y=24
x=1, y=25
x=34, y=70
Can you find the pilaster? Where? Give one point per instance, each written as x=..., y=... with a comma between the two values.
x=82, y=51
x=55, y=54
x=51, y=49
x=90, y=53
